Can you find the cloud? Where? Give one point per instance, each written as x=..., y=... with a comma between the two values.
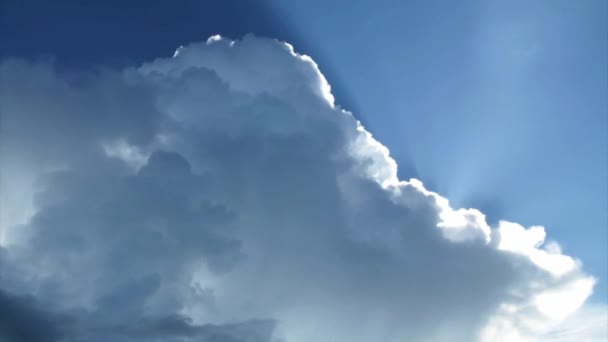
x=221, y=195
x=588, y=324
x=22, y=320
x=180, y=327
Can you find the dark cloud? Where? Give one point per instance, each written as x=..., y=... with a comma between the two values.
x=21, y=319
x=181, y=327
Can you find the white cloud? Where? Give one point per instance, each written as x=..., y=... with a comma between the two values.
x=131, y=155
x=230, y=194
x=589, y=324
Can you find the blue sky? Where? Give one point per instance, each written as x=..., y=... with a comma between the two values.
x=495, y=105
x=498, y=105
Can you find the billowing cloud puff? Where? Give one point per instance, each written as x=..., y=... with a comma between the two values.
x=221, y=195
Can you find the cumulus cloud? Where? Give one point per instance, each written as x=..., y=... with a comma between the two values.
x=221, y=195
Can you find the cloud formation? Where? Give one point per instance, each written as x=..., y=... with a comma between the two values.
x=221, y=195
